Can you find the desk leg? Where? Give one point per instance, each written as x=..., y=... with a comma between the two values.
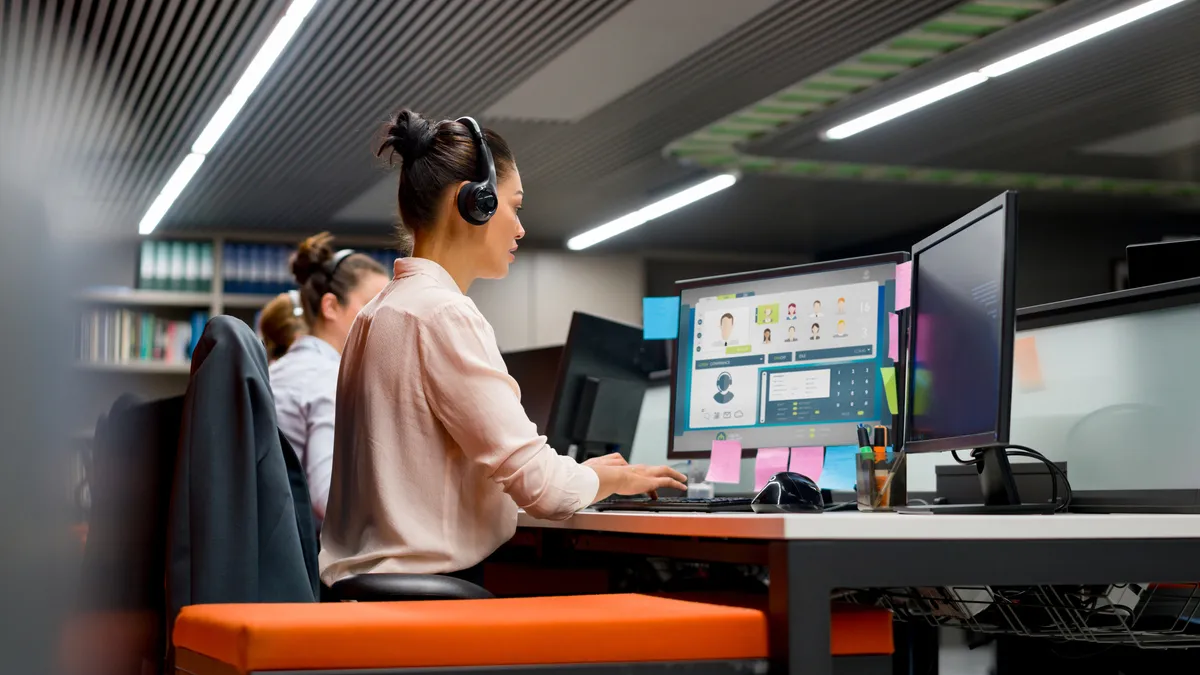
x=799, y=607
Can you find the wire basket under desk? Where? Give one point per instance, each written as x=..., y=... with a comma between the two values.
x=1149, y=616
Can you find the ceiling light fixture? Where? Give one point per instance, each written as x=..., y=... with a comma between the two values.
x=1001, y=67
x=259, y=66
x=659, y=208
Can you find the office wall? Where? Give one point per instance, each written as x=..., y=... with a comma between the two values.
x=532, y=307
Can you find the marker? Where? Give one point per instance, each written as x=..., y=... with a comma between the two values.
x=864, y=441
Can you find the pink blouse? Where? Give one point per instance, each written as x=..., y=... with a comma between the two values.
x=433, y=453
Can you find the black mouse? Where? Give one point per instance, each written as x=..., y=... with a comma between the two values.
x=788, y=492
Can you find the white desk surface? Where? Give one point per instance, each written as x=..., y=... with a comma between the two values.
x=855, y=525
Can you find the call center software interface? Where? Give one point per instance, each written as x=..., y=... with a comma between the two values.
x=785, y=361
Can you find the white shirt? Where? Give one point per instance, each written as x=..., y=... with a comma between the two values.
x=433, y=452
x=304, y=382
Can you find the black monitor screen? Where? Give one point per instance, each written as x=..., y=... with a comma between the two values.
x=958, y=396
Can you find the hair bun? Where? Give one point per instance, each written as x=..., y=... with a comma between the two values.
x=409, y=135
x=312, y=256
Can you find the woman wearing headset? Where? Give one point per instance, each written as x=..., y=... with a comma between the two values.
x=333, y=287
x=280, y=322
x=434, y=453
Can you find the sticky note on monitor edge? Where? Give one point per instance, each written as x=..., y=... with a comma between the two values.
x=767, y=463
x=660, y=318
x=903, y=285
x=893, y=336
x=889, y=388
x=725, y=462
x=808, y=462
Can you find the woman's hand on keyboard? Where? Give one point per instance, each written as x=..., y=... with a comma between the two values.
x=614, y=459
x=637, y=479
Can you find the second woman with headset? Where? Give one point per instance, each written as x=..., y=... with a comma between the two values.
x=434, y=453
x=333, y=287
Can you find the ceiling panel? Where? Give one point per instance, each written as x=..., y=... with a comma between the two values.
x=107, y=96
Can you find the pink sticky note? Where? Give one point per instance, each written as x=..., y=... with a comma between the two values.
x=893, y=336
x=808, y=462
x=725, y=464
x=767, y=463
x=903, y=285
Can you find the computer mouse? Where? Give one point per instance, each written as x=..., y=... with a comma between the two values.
x=788, y=492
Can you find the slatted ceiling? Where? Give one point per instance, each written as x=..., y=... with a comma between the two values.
x=321, y=116
x=115, y=92
x=753, y=61
x=1037, y=118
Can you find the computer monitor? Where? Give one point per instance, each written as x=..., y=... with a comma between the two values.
x=782, y=358
x=1162, y=262
x=961, y=325
x=602, y=378
x=536, y=373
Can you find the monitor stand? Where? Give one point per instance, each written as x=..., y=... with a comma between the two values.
x=999, y=491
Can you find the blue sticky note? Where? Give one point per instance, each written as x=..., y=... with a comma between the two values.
x=660, y=318
x=839, y=473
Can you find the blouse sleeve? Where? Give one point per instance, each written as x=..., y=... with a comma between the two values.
x=479, y=405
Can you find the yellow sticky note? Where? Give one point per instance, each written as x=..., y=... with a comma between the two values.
x=889, y=388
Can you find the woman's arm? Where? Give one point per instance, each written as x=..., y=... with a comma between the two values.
x=477, y=403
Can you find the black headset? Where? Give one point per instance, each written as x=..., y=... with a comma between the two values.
x=477, y=200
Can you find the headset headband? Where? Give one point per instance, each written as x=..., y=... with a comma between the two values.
x=294, y=296
x=483, y=160
x=337, y=260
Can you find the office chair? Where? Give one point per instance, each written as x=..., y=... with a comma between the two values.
x=236, y=439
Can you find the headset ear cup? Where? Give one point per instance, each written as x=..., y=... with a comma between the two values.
x=477, y=203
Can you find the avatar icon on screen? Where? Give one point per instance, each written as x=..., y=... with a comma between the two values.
x=791, y=336
x=841, y=305
x=723, y=395
x=791, y=314
x=816, y=314
x=816, y=332
x=841, y=330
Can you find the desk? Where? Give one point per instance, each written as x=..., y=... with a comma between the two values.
x=810, y=555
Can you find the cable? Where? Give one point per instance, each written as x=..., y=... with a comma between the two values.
x=1056, y=473
x=1011, y=450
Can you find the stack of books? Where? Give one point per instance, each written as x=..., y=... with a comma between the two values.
x=125, y=336
x=176, y=266
x=266, y=268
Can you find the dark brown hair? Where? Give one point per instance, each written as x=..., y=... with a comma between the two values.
x=434, y=156
x=279, y=326
x=312, y=265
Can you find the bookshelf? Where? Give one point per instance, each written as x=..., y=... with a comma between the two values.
x=173, y=279
x=136, y=367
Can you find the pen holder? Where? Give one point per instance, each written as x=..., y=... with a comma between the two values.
x=881, y=484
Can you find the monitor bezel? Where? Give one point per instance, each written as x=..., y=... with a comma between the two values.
x=1000, y=432
x=757, y=275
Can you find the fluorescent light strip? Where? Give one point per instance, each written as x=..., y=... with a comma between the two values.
x=1001, y=67
x=657, y=209
x=1075, y=37
x=905, y=106
x=259, y=66
x=179, y=180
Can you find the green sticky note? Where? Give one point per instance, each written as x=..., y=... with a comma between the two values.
x=889, y=388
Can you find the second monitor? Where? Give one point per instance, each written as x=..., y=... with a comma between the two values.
x=783, y=358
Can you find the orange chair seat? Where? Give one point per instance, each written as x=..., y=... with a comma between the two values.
x=516, y=631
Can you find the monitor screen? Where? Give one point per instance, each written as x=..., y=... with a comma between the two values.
x=783, y=358
x=536, y=373
x=599, y=349
x=961, y=334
